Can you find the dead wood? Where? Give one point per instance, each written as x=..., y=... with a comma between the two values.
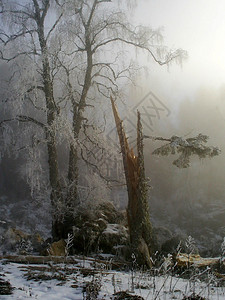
x=32, y=259
x=185, y=260
x=140, y=228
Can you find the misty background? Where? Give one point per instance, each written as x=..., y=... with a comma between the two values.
x=192, y=98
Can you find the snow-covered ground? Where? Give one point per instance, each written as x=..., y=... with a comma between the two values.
x=88, y=279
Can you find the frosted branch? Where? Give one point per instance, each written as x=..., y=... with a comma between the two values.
x=186, y=148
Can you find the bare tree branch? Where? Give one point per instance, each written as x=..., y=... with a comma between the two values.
x=22, y=118
x=22, y=12
x=169, y=57
x=8, y=59
x=92, y=12
x=45, y=9
x=6, y=121
x=96, y=168
x=54, y=26
x=11, y=38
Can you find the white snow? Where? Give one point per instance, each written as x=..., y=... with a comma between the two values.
x=113, y=229
x=140, y=283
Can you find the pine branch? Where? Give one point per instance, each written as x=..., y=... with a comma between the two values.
x=185, y=148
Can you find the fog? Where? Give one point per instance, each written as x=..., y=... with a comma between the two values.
x=196, y=26
x=189, y=200
x=195, y=92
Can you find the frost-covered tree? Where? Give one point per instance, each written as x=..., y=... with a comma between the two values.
x=65, y=56
x=25, y=46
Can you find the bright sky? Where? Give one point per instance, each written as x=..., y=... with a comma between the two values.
x=197, y=26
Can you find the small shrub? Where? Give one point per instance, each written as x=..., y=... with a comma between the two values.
x=193, y=297
x=5, y=287
x=126, y=296
x=92, y=288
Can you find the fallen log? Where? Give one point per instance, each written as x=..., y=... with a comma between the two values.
x=185, y=260
x=33, y=259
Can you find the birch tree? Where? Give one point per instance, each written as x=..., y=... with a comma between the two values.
x=65, y=55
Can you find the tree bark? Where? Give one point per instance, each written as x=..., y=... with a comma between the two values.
x=52, y=111
x=141, y=236
x=78, y=110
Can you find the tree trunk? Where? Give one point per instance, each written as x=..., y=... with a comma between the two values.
x=62, y=228
x=141, y=237
x=78, y=110
x=52, y=111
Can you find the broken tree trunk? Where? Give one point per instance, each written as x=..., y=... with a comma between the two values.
x=141, y=236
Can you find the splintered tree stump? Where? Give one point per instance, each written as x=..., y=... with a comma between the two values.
x=140, y=228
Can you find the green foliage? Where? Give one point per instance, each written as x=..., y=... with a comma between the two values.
x=185, y=148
